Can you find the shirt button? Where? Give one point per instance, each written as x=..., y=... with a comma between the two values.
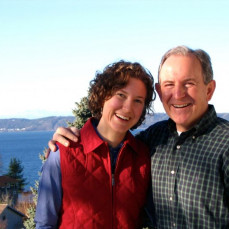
x=193, y=137
x=172, y=172
x=170, y=198
x=174, y=224
x=178, y=146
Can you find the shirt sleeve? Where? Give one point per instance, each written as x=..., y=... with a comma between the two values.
x=143, y=136
x=49, y=193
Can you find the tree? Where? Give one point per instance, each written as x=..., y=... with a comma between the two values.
x=29, y=222
x=81, y=113
x=15, y=170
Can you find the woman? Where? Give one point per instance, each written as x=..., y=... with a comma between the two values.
x=101, y=181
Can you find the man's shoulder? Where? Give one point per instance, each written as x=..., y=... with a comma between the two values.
x=155, y=132
x=223, y=121
x=161, y=125
x=223, y=125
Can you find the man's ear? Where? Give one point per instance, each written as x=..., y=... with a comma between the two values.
x=210, y=89
x=158, y=89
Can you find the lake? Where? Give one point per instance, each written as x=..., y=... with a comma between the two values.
x=25, y=146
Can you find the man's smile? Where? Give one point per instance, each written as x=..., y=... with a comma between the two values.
x=181, y=105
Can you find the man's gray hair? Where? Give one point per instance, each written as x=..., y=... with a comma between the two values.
x=201, y=55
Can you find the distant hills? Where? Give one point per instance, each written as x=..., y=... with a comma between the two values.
x=41, y=124
x=51, y=123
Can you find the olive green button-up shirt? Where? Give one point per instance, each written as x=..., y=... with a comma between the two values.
x=190, y=173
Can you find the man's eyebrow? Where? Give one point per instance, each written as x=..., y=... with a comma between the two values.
x=167, y=81
x=190, y=78
x=187, y=79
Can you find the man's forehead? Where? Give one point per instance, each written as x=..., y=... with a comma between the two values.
x=179, y=65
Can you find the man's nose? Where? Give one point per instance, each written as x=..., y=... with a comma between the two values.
x=179, y=91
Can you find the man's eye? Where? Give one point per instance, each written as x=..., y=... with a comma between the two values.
x=168, y=85
x=189, y=84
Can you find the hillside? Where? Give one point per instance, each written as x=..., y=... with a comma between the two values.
x=51, y=123
x=41, y=124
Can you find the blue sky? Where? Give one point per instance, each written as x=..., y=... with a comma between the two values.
x=50, y=50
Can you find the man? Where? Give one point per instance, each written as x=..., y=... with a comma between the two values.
x=190, y=151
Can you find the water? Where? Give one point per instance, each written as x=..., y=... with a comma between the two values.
x=25, y=146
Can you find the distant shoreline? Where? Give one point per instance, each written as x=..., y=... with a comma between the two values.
x=51, y=123
x=40, y=124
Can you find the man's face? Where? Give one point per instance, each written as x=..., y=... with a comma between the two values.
x=182, y=90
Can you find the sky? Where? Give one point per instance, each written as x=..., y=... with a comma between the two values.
x=50, y=50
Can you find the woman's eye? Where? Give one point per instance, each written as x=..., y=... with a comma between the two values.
x=139, y=101
x=121, y=95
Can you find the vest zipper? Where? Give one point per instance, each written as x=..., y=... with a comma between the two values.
x=112, y=188
x=113, y=180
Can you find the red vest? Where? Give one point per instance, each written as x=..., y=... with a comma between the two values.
x=92, y=197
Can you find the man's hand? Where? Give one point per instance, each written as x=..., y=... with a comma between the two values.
x=63, y=135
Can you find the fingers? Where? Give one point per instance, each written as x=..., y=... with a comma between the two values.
x=75, y=131
x=63, y=134
x=59, y=138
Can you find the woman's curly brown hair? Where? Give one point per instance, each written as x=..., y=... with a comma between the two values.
x=114, y=77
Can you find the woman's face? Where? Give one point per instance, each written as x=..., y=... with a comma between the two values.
x=123, y=110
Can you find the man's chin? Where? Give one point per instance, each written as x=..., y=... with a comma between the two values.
x=182, y=124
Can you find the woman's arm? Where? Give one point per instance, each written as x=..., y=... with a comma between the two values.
x=49, y=193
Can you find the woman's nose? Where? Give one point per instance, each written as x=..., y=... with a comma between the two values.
x=127, y=105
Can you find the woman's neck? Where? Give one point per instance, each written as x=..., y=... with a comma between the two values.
x=113, y=138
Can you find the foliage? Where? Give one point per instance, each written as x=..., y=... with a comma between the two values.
x=6, y=199
x=81, y=113
x=15, y=170
x=29, y=223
